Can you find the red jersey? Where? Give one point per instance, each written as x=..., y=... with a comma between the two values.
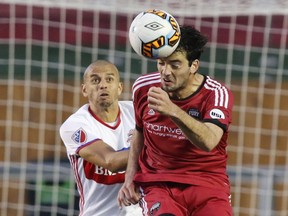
x=167, y=154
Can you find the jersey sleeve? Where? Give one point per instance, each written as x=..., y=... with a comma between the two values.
x=219, y=106
x=138, y=102
x=76, y=133
x=139, y=95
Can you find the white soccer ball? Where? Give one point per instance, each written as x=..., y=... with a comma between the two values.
x=154, y=34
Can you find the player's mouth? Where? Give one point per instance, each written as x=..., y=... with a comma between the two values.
x=167, y=82
x=104, y=95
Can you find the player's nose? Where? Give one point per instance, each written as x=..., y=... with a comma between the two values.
x=103, y=84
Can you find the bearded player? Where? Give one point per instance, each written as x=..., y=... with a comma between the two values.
x=177, y=162
x=97, y=138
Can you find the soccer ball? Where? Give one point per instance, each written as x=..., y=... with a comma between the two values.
x=154, y=34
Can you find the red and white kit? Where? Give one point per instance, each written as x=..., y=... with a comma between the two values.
x=98, y=187
x=167, y=155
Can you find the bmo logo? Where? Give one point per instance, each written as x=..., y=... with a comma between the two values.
x=102, y=171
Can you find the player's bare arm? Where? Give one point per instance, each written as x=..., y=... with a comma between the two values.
x=204, y=135
x=129, y=193
x=105, y=156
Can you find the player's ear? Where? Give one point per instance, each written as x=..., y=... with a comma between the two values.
x=120, y=88
x=84, y=90
x=194, y=66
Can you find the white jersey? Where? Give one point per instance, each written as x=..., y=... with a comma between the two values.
x=98, y=187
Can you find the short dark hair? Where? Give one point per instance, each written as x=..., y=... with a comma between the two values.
x=192, y=42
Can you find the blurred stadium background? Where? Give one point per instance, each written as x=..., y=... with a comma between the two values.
x=46, y=45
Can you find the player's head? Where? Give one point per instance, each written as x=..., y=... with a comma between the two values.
x=101, y=84
x=179, y=69
x=192, y=42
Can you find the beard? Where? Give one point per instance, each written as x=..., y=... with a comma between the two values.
x=101, y=102
x=168, y=88
x=105, y=104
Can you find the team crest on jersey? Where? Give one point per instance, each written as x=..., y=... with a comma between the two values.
x=130, y=133
x=217, y=114
x=194, y=113
x=151, y=112
x=79, y=136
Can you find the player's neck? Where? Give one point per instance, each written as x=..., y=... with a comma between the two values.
x=106, y=114
x=191, y=87
x=197, y=82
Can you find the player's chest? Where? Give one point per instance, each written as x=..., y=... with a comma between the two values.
x=195, y=110
x=118, y=138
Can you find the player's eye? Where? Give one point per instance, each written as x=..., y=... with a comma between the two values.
x=161, y=62
x=175, y=66
x=109, y=79
x=95, y=81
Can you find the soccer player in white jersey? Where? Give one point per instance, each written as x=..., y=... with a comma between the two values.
x=97, y=139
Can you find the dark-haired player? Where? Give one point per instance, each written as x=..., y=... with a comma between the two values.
x=177, y=161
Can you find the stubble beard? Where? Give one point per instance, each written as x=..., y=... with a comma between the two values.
x=168, y=89
x=105, y=104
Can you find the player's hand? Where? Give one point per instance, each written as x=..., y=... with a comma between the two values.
x=159, y=100
x=128, y=194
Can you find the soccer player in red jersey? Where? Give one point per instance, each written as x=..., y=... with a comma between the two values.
x=177, y=161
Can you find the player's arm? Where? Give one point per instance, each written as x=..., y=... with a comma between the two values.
x=203, y=135
x=103, y=155
x=128, y=193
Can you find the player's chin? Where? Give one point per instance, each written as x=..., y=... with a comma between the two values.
x=105, y=103
x=167, y=88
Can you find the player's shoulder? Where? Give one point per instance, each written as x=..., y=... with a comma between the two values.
x=146, y=81
x=125, y=104
x=78, y=116
x=218, y=92
x=212, y=84
x=82, y=111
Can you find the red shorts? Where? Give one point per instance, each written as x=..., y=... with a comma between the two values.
x=174, y=199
